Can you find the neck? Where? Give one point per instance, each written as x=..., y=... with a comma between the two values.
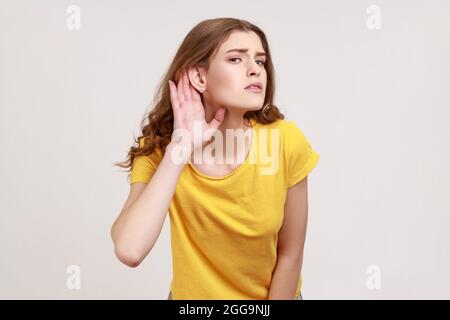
x=233, y=120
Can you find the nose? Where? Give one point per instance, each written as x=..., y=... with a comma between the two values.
x=253, y=69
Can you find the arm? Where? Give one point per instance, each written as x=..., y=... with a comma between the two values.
x=291, y=240
x=139, y=224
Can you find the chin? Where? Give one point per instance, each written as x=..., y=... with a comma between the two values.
x=256, y=108
x=246, y=104
x=249, y=108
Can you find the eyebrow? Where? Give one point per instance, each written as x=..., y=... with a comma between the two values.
x=245, y=51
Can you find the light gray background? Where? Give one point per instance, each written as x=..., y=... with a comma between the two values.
x=373, y=103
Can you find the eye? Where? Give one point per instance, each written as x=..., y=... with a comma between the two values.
x=234, y=58
x=262, y=62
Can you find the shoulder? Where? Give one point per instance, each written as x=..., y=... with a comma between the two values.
x=293, y=143
x=279, y=123
x=144, y=166
x=156, y=156
x=287, y=128
x=291, y=137
x=298, y=156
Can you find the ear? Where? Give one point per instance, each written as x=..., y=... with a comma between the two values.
x=197, y=78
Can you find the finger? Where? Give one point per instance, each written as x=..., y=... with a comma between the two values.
x=180, y=90
x=195, y=94
x=174, y=97
x=218, y=119
x=186, y=85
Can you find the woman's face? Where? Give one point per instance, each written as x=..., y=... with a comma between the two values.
x=231, y=71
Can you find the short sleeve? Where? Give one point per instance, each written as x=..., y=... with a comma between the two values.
x=145, y=166
x=301, y=158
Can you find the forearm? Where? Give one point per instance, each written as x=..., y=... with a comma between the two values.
x=285, y=278
x=139, y=225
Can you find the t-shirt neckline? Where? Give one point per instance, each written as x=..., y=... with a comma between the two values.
x=241, y=167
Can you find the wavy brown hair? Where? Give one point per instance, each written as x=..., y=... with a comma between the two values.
x=196, y=50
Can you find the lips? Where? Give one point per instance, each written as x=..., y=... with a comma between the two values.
x=254, y=85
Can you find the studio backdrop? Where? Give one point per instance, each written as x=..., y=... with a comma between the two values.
x=367, y=81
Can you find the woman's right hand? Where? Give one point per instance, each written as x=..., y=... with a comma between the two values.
x=188, y=109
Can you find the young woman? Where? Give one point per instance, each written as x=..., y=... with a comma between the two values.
x=237, y=227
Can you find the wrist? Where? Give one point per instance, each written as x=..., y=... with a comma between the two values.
x=178, y=152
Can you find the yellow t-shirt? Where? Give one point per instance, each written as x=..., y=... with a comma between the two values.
x=224, y=230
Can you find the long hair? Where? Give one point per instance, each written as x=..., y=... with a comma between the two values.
x=199, y=45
